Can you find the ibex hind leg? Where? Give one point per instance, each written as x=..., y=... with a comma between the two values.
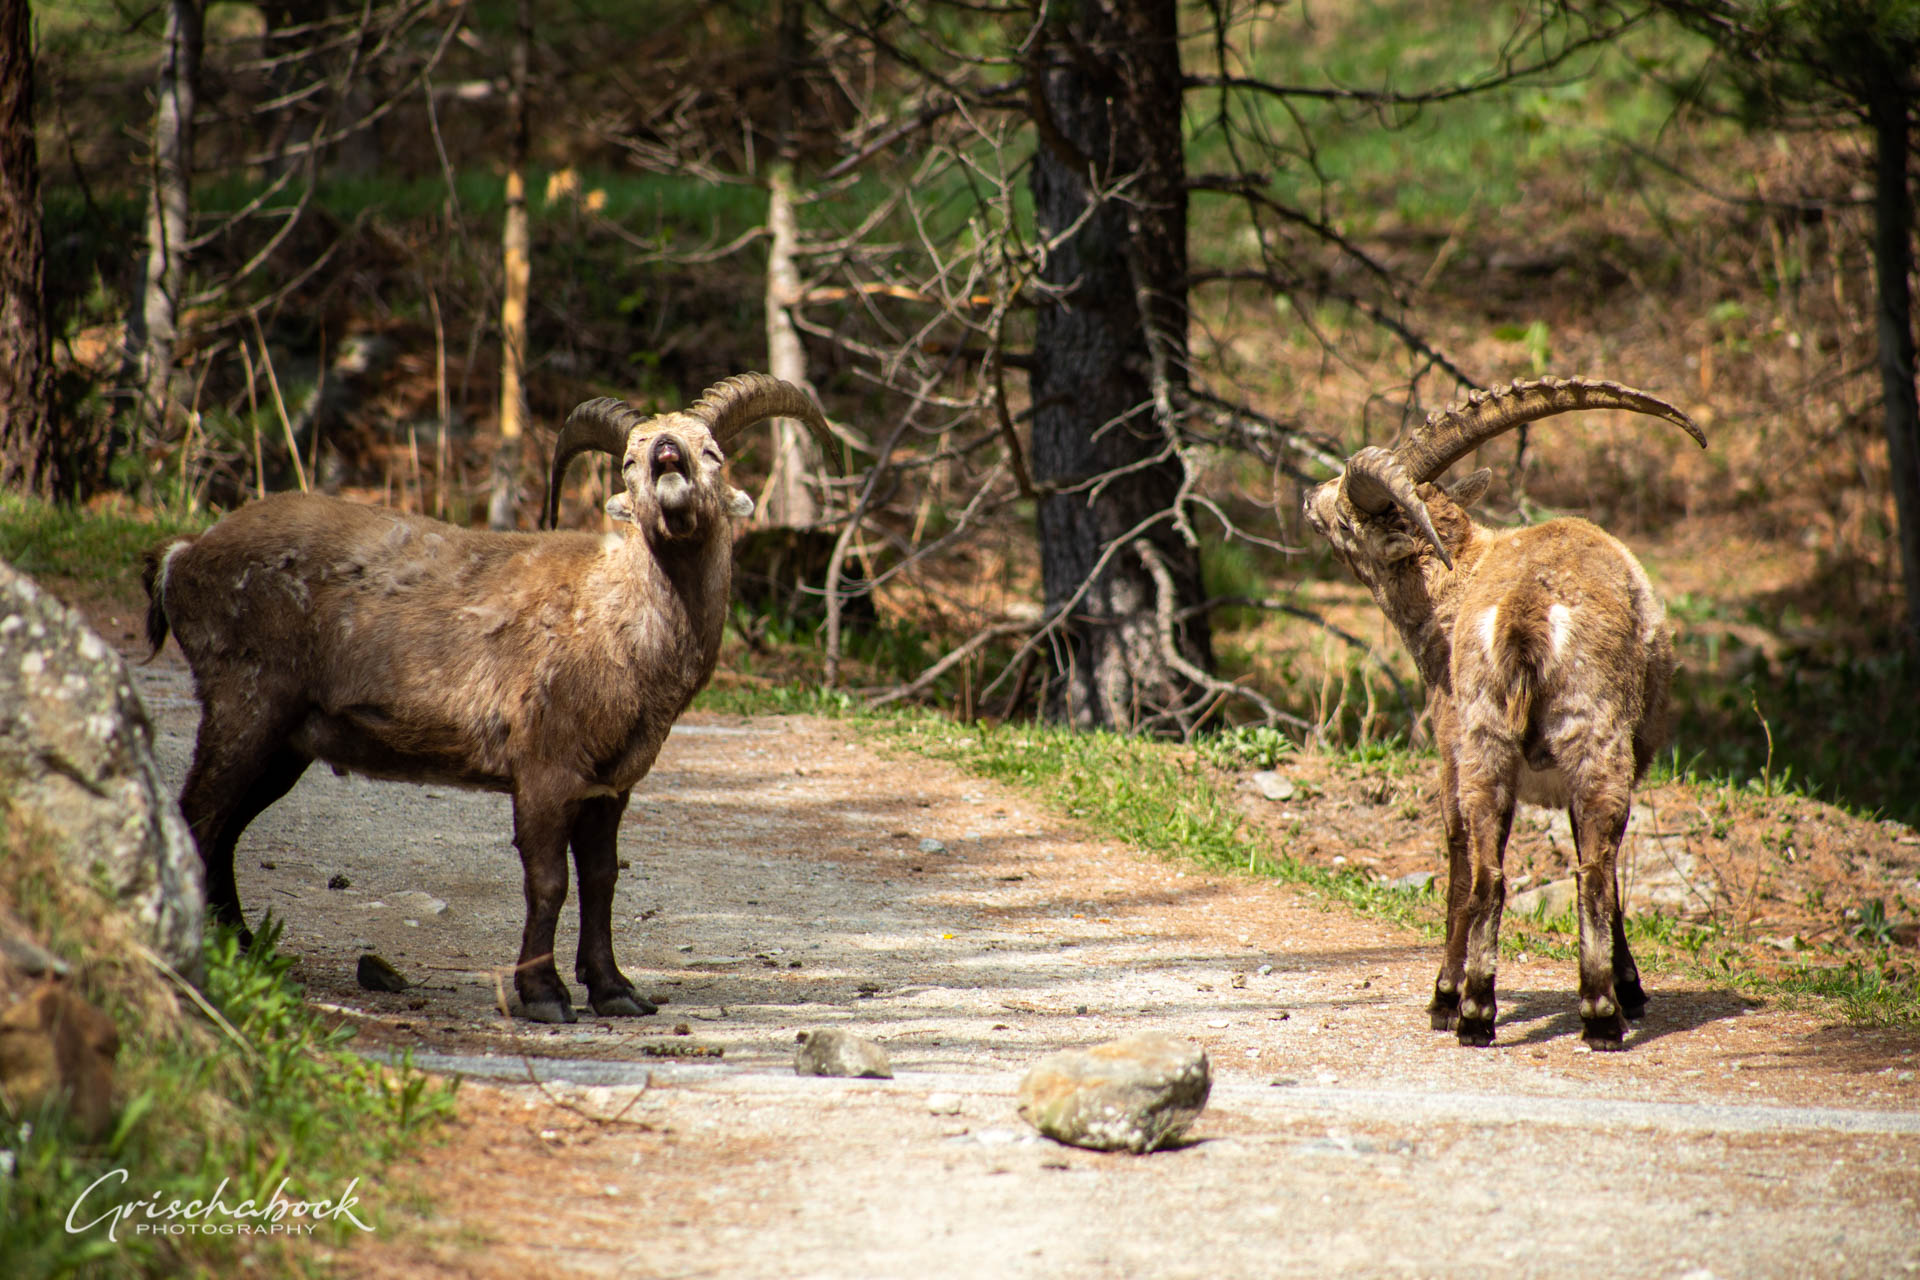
x=1626, y=974
x=1490, y=805
x=1599, y=821
x=235, y=777
x=1444, y=1008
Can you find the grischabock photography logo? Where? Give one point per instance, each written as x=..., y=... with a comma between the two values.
x=103, y=1205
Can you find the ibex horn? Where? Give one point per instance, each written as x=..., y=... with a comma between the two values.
x=1376, y=480
x=1452, y=433
x=601, y=424
x=731, y=406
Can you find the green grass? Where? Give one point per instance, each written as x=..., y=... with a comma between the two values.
x=1157, y=797
x=259, y=1093
x=1836, y=727
x=637, y=201
x=1437, y=163
x=45, y=540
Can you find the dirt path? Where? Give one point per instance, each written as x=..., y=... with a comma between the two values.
x=782, y=878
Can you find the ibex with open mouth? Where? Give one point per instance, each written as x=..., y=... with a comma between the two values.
x=549, y=666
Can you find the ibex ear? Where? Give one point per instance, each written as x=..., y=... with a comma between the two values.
x=1470, y=490
x=739, y=504
x=620, y=507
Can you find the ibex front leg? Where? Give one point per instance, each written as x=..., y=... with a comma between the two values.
x=596, y=857
x=541, y=825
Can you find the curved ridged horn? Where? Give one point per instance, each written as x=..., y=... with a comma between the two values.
x=1376, y=480
x=601, y=424
x=731, y=406
x=1452, y=433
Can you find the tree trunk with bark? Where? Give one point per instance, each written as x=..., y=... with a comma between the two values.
x=153, y=328
x=1888, y=111
x=789, y=498
x=1110, y=360
x=31, y=459
x=516, y=255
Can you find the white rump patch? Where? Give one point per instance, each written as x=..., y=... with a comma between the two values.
x=1559, y=626
x=166, y=568
x=1489, y=627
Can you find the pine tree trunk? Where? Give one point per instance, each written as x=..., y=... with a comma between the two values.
x=1893, y=267
x=30, y=460
x=1109, y=365
x=517, y=268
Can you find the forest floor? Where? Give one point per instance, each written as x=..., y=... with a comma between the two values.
x=781, y=879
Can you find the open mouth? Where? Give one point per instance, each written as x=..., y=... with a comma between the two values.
x=667, y=457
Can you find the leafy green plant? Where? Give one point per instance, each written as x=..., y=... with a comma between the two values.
x=1871, y=925
x=1256, y=746
x=1536, y=337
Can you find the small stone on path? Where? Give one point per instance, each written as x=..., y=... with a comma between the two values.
x=1138, y=1094
x=376, y=974
x=834, y=1052
x=1272, y=785
x=419, y=903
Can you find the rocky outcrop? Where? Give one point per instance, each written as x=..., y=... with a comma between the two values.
x=76, y=763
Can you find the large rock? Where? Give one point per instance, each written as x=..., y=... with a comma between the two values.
x=1137, y=1094
x=76, y=761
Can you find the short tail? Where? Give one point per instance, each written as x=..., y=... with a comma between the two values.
x=1521, y=651
x=153, y=576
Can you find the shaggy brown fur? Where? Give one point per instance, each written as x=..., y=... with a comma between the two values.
x=1547, y=660
x=547, y=666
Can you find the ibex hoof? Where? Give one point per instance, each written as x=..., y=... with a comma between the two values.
x=622, y=1004
x=1604, y=1035
x=1475, y=1033
x=1633, y=1001
x=1444, y=1019
x=548, y=1011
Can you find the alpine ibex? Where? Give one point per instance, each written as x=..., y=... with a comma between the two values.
x=1546, y=657
x=549, y=666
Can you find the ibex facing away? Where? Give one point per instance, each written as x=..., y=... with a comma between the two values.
x=1546, y=657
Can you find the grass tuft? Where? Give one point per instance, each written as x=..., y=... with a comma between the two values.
x=47, y=540
x=262, y=1092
